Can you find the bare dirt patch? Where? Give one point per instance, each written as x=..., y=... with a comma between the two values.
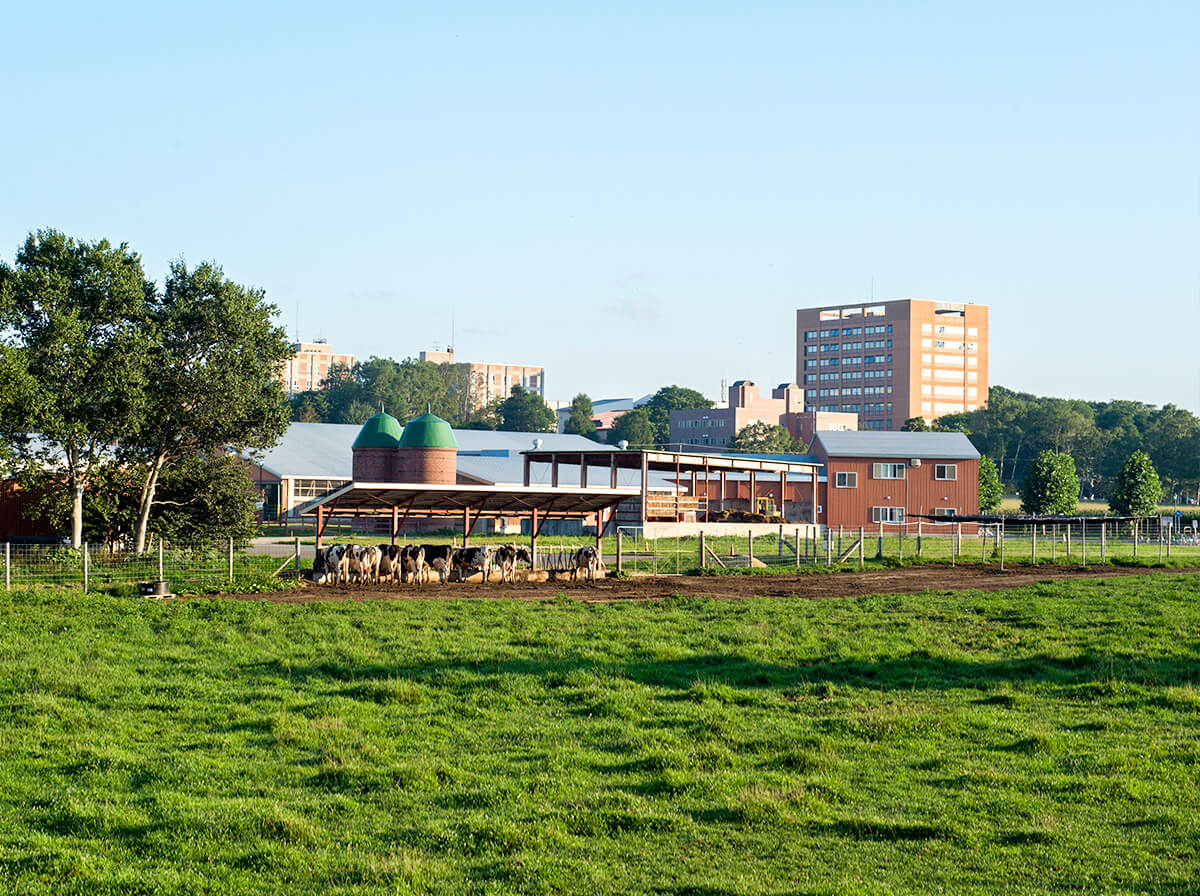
x=904, y=580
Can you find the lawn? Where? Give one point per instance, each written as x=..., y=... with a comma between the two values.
x=1041, y=740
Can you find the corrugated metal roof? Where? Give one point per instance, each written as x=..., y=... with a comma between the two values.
x=322, y=451
x=868, y=443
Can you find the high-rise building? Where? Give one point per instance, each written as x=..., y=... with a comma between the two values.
x=889, y=361
x=309, y=367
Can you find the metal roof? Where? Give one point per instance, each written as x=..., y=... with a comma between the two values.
x=871, y=443
x=482, y=500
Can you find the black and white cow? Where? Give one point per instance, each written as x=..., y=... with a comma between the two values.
x=389, y=563
x=412, y=563
x=368, y=563
x=325, y=564
x=507, y=556
x=587, y=559
x=437, y=558
x=468, y=560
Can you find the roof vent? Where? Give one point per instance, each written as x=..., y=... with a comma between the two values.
x=537, y=444
x=623, y=444
x=915, y=462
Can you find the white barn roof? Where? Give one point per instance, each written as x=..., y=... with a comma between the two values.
x=869, y=443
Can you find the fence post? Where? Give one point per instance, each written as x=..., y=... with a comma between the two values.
x=1160, y=539
x=620, y=568
x=702, y=557
x=1000, y=536
x=861, y=538
x=1033, y=543
x=779, y=546
x=1068, y=542
x=1083, y=542
x=900, y=541
x=954, y=543
x=160, y=558
x=231, y=560
x=1103, y=541
x=828, y=547
x=85, y=568
x=297, y=556
x=7, y=566
x=797, y=549
x=1053, y=542
x=839, y=550
x=1135, y=538
x=879, y=552
x=919, y=539
x=750, y=548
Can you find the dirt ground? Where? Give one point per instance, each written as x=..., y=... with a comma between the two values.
x=905, y=580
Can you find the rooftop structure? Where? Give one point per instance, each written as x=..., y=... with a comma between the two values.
x=309, y=367
x=490, y=380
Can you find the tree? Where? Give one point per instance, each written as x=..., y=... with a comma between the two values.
x=580, y=422
x=915, y=424
x=215, y=353
x=1051, y=486
x=990, y=491
x=1138, y=489
x=665, y=400
x=764, y=438
x=206, y=498
x=77, y=313
x=633, y=427
x=525, y=411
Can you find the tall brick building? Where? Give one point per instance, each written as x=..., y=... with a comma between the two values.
x=309, y=367
x=888, y=361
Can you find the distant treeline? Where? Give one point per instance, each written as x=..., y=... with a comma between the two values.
x=1099, y=435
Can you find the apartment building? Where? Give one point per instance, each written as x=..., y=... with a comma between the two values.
x=489, y=381
x=309, y=367
x=889, y=361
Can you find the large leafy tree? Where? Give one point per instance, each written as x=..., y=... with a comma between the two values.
x=633, y=427
x=915, y=424
x=990, y=491
x=580, y=421
x=1052, y=485
x=215, y=352
x=1138, y=488
x=75, y=313
x=670, y=398
x=764, y=438
x=525, y=411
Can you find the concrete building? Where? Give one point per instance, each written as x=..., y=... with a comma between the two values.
x=309, y=367
x=717, y=427
x=889, y=361
x=492, y=380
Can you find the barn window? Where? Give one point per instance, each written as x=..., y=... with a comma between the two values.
x=887, y=471
x=948, y=472
x=945, y=511
x=846, y=480
x=887, y=514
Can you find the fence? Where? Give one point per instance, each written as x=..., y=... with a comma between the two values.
x=1083, y=541
x=195, y=566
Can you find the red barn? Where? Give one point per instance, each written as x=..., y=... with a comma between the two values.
x=888, y=477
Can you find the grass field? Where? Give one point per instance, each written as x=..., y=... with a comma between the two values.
x=1041, y=740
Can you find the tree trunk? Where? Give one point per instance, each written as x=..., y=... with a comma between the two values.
x=76, y=510
x=149, y=487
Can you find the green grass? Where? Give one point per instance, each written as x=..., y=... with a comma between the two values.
x=1042, y=740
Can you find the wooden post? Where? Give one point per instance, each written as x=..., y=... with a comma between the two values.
x=1160, y=534
x=861, y=538
x=160, y=559
x=85, y=567
x=828, y=548
x=620, y=567
x=526, y=478
x=396, y=517
x=797, y=543
x=297, y=556
x=533, y=535
x=7, y=566
x=612, y=470
x=1068, y=542
x=1136, y=526
x=1083, y=542
x=231, y=560
x=900, y=540
x=954, y=543
x=879, y=552
x=1053, y=542
x=753, y=493
x=320, y=527
x=779, y=546
x=919, y=539
x=702, y=557
x=1103, y=540
x=1033, y=543
x=839, y=550
x=750, y=548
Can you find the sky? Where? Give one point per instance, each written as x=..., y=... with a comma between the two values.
x=633, y=195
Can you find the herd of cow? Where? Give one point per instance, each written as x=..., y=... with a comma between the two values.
x=416, y=564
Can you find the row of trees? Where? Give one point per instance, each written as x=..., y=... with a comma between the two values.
x=103, y=371
x=1016, y=427
x=1052, y=486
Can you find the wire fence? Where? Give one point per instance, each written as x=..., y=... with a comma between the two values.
x=195, y=567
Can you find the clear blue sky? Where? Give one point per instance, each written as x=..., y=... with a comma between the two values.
x=636, y=196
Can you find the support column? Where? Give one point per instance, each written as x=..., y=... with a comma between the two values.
x=320, y=526
x=612, y=470
x=533, y=535
x=583, y=471
x=527, y=470
x=395, y=522
x=753, y=492
x=466, y=525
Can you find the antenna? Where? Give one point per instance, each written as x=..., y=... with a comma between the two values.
x=297, y=321
x=451, y=331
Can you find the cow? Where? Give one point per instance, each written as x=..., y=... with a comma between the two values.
x=587, y=559
x=325, y=564
x=412, y=563
x=437, y=558
x=389, y=563
x=368, y=564
x=506, y=558
x=468, y=560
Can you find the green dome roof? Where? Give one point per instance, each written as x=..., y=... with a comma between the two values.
x=381, y=431
x=428, y=431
